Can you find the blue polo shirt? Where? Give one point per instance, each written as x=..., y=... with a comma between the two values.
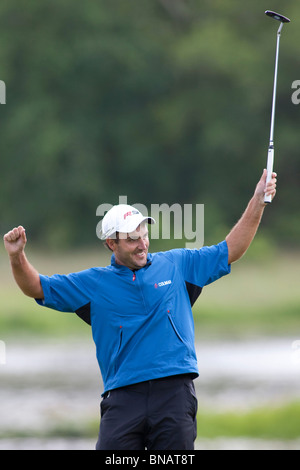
x=142, y=322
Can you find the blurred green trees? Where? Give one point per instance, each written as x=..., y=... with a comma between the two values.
x=162, y=101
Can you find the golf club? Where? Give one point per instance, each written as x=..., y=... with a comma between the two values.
x=270, y=160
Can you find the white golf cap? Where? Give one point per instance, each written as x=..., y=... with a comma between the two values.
x=122, y=218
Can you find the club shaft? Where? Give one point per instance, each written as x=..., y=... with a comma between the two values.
x=275, y=84
x=270, y=160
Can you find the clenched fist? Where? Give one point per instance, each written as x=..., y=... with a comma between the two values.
x=15, y=241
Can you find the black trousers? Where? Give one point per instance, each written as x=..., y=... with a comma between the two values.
x=158, y=414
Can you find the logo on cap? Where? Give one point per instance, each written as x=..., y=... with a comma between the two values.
x=130, y=213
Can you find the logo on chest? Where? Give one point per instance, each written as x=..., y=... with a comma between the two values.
x=162, y=284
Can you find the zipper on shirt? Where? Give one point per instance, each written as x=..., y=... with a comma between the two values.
x=174, y=327
x=138, y=279
x=115, y=359
x=120, y=339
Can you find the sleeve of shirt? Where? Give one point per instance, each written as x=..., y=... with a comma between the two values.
x=66, y=293
x=204, y=266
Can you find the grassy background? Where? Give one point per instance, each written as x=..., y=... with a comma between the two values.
x=280, y=422
x=270, y=423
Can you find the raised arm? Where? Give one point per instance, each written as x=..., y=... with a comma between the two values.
x=242, y=234
x=26, y=276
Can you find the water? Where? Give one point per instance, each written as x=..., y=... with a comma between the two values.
x=45, y=384
x=49, y=382
x=244, y=374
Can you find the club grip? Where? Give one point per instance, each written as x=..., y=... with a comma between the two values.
x=270, y=163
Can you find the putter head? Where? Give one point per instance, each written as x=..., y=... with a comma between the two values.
x=277, y=16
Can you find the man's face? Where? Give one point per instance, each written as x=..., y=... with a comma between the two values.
x=131, y=249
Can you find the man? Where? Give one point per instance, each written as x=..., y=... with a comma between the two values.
x=140, y=311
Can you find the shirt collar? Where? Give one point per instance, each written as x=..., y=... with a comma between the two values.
x=120, y=266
